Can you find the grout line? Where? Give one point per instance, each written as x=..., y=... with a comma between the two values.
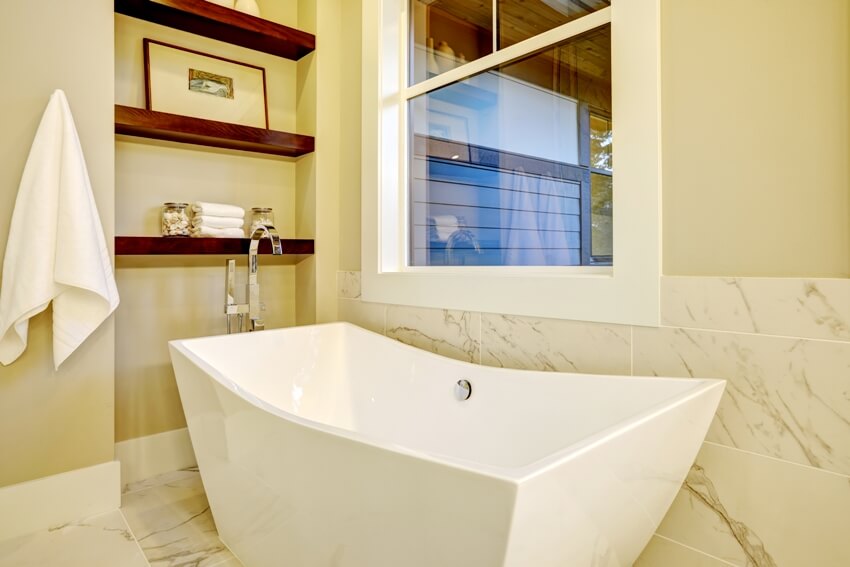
x=694, y=549
x=480, y=338
x=135, y=539
x=811, y=468
x=385, y=309
x=750, y=333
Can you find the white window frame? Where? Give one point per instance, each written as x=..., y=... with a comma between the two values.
x=627, y=292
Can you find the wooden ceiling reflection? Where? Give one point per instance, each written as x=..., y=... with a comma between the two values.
x=521, y=19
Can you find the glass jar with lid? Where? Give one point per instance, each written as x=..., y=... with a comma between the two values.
x=175, y=219
x=261, y=215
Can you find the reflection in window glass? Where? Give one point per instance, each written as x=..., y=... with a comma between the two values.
x=602, y=204
x=522, y=19
x=501, y=162
x=448, y=33
x=601, y=135
x=601, y=217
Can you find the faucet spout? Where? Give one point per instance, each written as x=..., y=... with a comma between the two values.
x=269, y=231
x=257, y=323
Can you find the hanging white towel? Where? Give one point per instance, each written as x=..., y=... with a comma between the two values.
x=524, y=246
x=553, y=229
x=217, y=209
x=56, y=249
x=217, y=222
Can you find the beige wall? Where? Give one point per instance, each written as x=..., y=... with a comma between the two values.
x=177, y=297
x=755, y=137
x=349, y=207
x=51, y=422
x=319, y=177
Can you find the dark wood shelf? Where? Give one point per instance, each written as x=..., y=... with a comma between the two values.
x=211, y=20
x=176, y=128
x=161, y=245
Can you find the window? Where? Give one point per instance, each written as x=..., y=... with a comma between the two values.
x=500, y=162
x=489, y=130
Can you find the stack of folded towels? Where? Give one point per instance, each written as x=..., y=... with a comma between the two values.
x=217, y=220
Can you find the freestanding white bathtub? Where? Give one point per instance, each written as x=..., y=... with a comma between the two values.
x=333, y=446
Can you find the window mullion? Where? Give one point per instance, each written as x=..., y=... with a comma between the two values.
x=495, y=26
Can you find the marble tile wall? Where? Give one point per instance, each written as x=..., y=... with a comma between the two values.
x=456, y=334
x=747, y=509
x=793, y=307
x=552, y=344
x=771, y=486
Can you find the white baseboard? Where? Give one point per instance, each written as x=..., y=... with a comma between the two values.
x=149, y=456
x=55, y=500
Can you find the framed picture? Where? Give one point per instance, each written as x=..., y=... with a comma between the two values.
x=191, y=83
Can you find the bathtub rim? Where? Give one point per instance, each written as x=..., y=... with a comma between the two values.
x=514, y=475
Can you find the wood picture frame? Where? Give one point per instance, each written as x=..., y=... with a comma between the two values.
x=187, y=82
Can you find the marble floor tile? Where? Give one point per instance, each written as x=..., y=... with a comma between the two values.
x=100, y=541
x=172, y=522
x=159, y=480
x=232, y=562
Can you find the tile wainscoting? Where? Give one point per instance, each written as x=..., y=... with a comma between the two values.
x=771, y=486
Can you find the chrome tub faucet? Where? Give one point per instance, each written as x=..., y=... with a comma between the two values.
x=254, y=307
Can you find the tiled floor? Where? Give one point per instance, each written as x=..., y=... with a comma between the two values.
x=171, y=519
x=102, y=541
x=163, y=522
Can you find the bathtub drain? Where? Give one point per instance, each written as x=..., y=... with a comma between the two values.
x=463, y=389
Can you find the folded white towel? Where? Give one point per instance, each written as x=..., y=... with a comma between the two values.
x=206, y=231
x=217, y=222
x=218, y=210
x=56, y=249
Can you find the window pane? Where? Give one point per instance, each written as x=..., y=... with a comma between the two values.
x=500, y=163
x=448, y=33
x=522, y=19
x=601, y=136
x=601, y=217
